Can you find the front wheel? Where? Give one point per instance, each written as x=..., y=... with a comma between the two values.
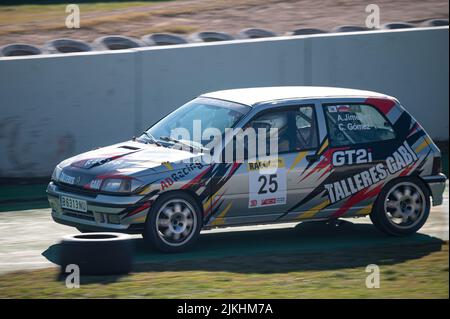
x=402, y=207
x=174, y=223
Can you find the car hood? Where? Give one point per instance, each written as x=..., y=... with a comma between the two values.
x=128, y=158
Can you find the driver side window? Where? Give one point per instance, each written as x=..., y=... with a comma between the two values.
x=274, y=125
x=296, y=127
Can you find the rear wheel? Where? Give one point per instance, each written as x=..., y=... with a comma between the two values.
x=174, y=223
x=402, y=207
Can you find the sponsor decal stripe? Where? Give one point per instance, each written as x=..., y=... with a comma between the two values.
x=313, y=211
x=421, y=146
x=196, y=179
x=219, y=219
x=139, y=220
x=325, y=172
x=208, y=202
x=320, y=166
x=206, y=211
x=413, y=130
x=365, y=211
x=383, y=104
x=139, y=209
x=146, y=190
x=324, y=146
x=168, y=165
x=298, y=159
x=410, y=168
x=233, y=169
x=357, y=198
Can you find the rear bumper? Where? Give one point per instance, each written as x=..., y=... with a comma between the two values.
x=436, y=183
x=104, y=213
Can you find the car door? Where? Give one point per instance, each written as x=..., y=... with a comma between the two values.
x=263, y=188
x=307, y=164
x=360, y=138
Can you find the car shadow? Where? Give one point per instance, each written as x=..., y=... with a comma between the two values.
x=307, y=246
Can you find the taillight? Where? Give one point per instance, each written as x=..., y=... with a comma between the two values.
x=437, y=165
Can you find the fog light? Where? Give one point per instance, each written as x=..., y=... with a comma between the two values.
x=114, y=219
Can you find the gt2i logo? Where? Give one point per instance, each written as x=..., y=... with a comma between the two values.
x=350, y=157
x=401, y=158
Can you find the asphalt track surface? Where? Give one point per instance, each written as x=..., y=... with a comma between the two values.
x=29, y=239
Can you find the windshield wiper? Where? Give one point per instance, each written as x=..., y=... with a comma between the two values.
x=152, y=138
x=174, y=140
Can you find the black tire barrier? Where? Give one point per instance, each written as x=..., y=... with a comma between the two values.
x=19, y=49
x=116, y=42
x=436, y=23
x=307, y=31
x=350, y=28
x=154, y=39
x=98, y=253
x=256, y=33
x=397, y=25
x=211, y=36
x=66, y=46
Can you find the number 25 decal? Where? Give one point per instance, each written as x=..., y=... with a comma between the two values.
x=271, y=186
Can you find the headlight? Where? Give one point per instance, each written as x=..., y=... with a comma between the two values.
x=56, y=173
x=120, y=185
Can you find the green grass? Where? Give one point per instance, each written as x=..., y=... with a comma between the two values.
x=406, y=272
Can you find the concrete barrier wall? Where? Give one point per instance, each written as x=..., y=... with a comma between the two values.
x=412, y=66
x=53, y=107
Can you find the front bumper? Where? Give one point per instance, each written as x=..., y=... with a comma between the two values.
x=104, y=212
x=436, y=183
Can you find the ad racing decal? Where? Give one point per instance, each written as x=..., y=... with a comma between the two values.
x=180, y=174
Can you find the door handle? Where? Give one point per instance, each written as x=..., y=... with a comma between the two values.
x=312, y=158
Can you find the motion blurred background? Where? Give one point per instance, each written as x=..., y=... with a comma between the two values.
x=36, y=22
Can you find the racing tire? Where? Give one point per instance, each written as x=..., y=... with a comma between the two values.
x=174, y=223
x=402, y=207
x=98, y=253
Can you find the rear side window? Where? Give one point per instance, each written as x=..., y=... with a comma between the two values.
x=356, y=124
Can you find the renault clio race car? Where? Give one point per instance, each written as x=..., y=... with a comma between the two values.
x=341, y=153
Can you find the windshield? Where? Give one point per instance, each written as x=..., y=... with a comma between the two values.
x=201, y=113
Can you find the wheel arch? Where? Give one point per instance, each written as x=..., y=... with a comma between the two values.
x=398, y=179
x=185, y=191
x=427, y=186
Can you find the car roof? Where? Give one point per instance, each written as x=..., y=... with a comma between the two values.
x=252, y=96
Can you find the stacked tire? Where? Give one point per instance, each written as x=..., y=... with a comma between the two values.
x=98, y=253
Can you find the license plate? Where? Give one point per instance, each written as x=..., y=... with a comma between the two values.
x=78, y=205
